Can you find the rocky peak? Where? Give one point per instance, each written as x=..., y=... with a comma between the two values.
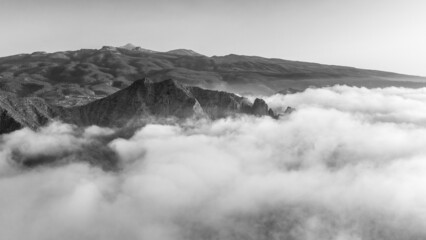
x=217, y=104
x=148, y=98
x=142, y=101
x=16, y=113
x=260, y=108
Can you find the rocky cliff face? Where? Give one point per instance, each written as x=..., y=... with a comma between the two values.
x=216, y=104
x=7, y=122
x=16, y=113
x=143, y=100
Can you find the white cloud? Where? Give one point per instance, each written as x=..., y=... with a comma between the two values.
x=348, y=164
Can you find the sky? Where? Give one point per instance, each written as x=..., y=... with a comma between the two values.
x=375, y=34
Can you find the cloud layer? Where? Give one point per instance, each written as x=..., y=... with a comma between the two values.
x=349, y=164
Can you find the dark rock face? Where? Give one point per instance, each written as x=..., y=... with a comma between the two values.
x=144, y=99
x=140, y=100
x=16, y=113
x=260, y=108
x=217, y=104
x=7, y=122
x=134, y=105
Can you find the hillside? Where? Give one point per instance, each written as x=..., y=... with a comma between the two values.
x=72, y=78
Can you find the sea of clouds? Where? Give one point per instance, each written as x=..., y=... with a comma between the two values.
x=348, y=164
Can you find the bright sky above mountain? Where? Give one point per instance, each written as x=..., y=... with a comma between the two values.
x=376, y=34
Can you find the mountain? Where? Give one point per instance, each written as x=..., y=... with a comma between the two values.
x=132, y=47
x=185, y=52
x=141, y=102
x=73, y=78
x=129, y=46
x=16, y=113
x=145, y=99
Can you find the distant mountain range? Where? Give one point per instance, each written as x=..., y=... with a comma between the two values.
x=72, y=78
x=182, y=52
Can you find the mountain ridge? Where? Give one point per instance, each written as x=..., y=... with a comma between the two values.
x=132, y=106
x=72, y=78
x=130, y=47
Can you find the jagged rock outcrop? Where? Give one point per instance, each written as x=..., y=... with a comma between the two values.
x=7, y=122
x=217, y=104
x=16, y=113
x=260, y=108
x=142, y=101
x=145, y=98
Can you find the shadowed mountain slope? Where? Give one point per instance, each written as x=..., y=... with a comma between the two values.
x=16, y=113
x=140, y=100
